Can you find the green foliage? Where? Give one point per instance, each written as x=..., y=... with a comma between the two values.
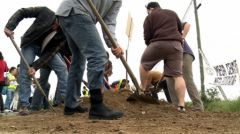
x=223, y=106
x=189, y=104
x=213, y=103
x=211, y=96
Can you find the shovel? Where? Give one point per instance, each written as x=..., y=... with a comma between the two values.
x=136, y=95
x=34, y=78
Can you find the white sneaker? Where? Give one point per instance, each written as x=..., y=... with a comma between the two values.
x=181, y=109
x=7, y=111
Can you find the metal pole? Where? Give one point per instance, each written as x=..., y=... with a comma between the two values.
x=34, y=78
x=126, y=62
x=104, y=27
x=186, y=12
x=222, y=92
x=199, y=54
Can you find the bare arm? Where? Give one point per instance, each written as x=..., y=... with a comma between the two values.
x=186, y=29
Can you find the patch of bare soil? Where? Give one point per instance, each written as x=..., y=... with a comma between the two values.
x=139, y=117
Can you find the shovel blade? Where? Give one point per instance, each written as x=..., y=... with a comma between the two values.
x=144, y=98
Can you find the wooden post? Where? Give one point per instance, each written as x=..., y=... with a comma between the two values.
x=203, y=95
x=129, y=30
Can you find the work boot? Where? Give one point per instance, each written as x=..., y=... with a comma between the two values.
x=78, y=109
x=24, y=111
x=98, y=109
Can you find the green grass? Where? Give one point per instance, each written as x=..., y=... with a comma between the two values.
x=223, y=106
x=220, y=106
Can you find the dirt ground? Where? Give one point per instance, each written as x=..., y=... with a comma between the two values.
x=139, y=118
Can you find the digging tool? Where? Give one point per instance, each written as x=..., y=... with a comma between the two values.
x=34, y=78
x=136, y=95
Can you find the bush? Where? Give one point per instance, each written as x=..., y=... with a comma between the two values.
x=211, y=96
x=213, y=103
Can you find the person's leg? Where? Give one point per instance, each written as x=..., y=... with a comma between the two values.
x=25, y=81
x=59, y=66
x=73, y=94
x=10, y=93
x=1, y=103
x=191, y=87
x=164, y=86
x=15, y=100
x=11, y=99
x=1, y=100
x=173, y=68
x=180, y=90
x=172, y=91
x=45, y=101
x=150, y=57
x=37, y=99
x=144, y=77
x=86, y=39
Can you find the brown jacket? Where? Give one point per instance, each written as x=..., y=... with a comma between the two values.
x=162, y=24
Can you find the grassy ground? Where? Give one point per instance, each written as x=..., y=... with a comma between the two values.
x=223, y=106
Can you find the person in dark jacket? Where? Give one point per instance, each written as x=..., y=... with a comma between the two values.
x=162, y=35
x=43, y=39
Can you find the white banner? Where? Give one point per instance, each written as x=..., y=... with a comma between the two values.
x=226, y=74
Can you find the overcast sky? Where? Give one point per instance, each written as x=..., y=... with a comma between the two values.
x=219, y=24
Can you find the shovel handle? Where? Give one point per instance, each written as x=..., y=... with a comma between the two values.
x=104, y=27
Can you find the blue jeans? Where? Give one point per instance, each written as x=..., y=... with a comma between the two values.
x=85, y=44
x=10, y=95
x=56, y=63
x=37, y=100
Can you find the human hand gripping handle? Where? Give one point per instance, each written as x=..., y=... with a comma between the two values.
x=31, y=71
x=8, y=32
x=118, y=51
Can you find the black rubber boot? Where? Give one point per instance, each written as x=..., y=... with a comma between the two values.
x=98, y=110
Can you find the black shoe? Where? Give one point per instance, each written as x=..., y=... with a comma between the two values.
x=58, y=105
x=34, y=109
x=78, y=109
x=100, y=111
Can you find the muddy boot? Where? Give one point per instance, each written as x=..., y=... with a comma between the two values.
x=98, y=110
x=24, y=111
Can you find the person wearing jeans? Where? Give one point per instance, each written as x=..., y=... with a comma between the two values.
x=44, y=39
x=11, y=76
x=78, y=24
x=59, y=67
